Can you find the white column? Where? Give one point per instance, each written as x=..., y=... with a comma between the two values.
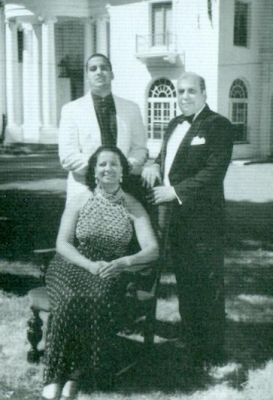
x=89, y=44
x=102, y=39
x=49, y=96
x=36, y=45
x=31, y=92
x=266, y=110
x=11, y=70
x=2, y=68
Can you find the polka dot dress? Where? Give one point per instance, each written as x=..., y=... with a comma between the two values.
x=85, y=309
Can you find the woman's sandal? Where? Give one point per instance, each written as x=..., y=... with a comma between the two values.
x=70, y=390
x=57, y=395
x=50, y=398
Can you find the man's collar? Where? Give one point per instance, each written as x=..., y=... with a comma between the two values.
x=191, y=118
x=198, y=112
x=96, y=97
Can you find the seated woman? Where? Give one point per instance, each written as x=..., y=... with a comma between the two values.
x=87, y=279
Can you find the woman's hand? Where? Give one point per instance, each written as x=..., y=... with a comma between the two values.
x=96, y=266
x=115, y=267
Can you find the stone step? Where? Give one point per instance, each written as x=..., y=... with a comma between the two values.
x=28, y=148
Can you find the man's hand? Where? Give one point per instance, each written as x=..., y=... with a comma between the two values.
x=162, y=194
x=151, y=175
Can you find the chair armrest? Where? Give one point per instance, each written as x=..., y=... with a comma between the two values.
x=143, y=286
x=42, y=258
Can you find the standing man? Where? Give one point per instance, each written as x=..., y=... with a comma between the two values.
x=190, y=168
x=99, y=118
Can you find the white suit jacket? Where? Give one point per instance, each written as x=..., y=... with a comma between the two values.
x=79, y=137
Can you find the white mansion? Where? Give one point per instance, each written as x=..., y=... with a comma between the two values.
x=44, y=45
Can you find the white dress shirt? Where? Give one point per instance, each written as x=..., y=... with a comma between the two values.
x=173, y=144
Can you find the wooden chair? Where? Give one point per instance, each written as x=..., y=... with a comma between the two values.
x=145, y=300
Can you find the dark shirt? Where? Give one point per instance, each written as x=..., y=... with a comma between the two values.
x=106, y=115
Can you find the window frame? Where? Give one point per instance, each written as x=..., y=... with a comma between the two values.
x=156, y=106
x=237, y=41
x=165, y=39
x=20, y=45
x=234, y=100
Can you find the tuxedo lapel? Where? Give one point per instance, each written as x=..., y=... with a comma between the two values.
x=184, y=147
x=89, y=118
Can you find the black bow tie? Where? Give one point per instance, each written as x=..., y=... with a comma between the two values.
x=188, y=118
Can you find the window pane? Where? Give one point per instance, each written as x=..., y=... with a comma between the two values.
x=239, y=113
x=20, y=45
x=240, y=132
x=157, y=131
x=158, y=24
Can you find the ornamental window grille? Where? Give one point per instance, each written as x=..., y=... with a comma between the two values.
x=161, y=107
x=238, y=109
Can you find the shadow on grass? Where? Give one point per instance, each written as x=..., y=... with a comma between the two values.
x=255, y=280
x=165, y=369
x=249, y=343
x=26, y=168
x=32, y=221
x=249, y=220
x=239, y=278
x=18, y=285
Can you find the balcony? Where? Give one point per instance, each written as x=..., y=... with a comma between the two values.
x=157, y=47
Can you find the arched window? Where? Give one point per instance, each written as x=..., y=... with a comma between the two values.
x=238, y=110
x=161, y=107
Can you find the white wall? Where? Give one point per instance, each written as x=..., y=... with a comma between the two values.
x=230, y=54
x=131, y=75
x=2, y=68
x=243, y=63
x=198, y=38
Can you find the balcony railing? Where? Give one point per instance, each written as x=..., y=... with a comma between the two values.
x=157, y=45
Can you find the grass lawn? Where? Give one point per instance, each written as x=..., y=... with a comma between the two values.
x=249, y=336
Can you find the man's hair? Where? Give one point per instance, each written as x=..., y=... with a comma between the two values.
x=202, y=81
x=92, y=162
x=106, y=59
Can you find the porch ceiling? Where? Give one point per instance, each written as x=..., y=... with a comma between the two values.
x=53, y=8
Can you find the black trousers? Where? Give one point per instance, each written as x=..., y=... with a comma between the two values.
x=198, y=268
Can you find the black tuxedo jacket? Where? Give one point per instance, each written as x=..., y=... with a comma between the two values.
x=197, y=175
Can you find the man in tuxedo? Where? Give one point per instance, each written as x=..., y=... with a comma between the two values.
x=99, y=118
x=187, y=178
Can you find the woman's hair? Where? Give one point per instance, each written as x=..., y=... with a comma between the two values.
x=92, y=162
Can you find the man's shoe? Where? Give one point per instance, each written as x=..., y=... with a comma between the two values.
x=50, y=398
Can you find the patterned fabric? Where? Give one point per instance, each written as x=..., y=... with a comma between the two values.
x=106, y=115
x=85, y=309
